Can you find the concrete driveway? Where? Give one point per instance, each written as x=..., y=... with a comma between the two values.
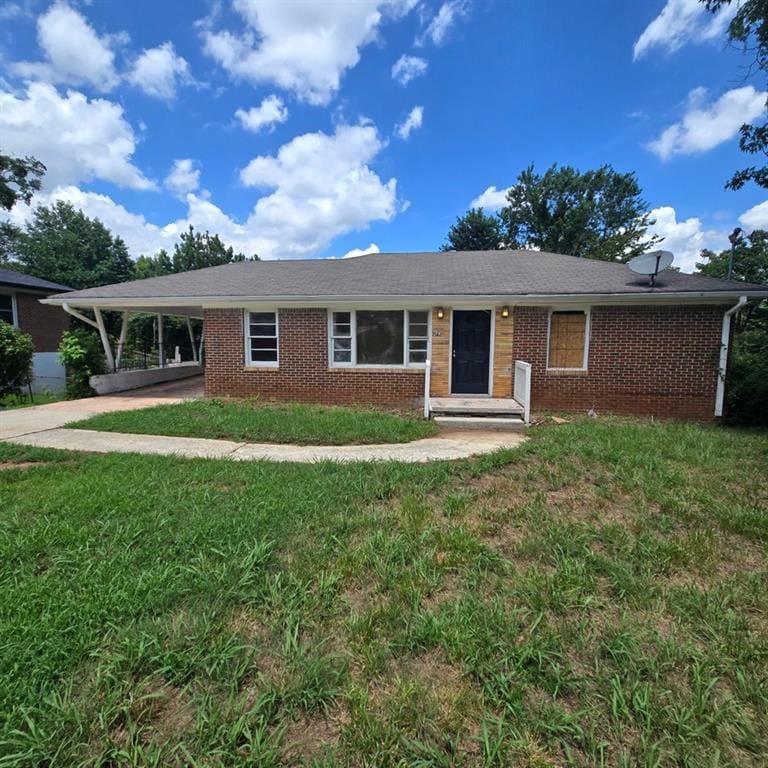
x=41, y=418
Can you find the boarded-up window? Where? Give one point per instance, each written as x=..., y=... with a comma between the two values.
x=567, y=339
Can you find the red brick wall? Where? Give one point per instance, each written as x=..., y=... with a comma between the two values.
x=45, y=323
x=653, y=360
x=303, y=374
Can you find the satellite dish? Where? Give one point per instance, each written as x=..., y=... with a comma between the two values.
x=651, y=263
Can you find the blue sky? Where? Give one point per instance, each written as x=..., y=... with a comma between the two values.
x=313, y=128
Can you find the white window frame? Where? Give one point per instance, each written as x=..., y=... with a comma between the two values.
x=587, y=311
x=14, y=308
x=353, y=331
x=249, y=363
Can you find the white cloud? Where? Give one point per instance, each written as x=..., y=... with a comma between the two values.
x=77, y=139
x=492, y=199
x=322, y=186
x=372, y=248
x=315, y=188
x=140, y=236
x=159, y=71
x=411, y=123
x=705, y=125
x=407, y=68
x=756, y=217
x=685, y=238
x=74, y=53
x=183, y=177
x=270, y=112
x=437, y=29
x=300, y=47
x=681, y=22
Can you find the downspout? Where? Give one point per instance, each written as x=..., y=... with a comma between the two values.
x=725, y=340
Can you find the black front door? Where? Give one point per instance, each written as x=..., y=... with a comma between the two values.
x=471, y=351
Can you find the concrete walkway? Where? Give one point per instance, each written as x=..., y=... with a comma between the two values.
x=452, y=446
x=44, y=426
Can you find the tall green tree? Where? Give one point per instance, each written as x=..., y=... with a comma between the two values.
x=153, y=266
x=597, y=214
x=474, y=231
x=747, y=390
x=749, y=30
x=62, y=244
x=20, y=178
x=197, y=250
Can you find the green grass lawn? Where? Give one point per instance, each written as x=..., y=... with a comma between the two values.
x=10, y=402
x=257, y=421
x=597, y=597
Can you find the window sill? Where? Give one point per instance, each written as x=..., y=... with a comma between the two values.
x=567, y=372
x=379, y=368
x=263, y=367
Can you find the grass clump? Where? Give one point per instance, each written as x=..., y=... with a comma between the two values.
x=258, y=421
x=596, y=597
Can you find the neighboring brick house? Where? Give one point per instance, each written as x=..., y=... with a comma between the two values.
x=385, y=328
x=20, y=306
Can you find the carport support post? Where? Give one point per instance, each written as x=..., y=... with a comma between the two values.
x=160, y=342
x=192, y=340
x=121, y=340
x=104, y=339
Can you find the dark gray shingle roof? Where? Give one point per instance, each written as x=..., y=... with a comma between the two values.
x=455, y=273
x=20, y=280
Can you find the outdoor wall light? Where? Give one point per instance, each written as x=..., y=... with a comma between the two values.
x=505, y=312
x=440, y=313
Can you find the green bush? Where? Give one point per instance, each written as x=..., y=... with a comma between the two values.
x=81, y=353
x=748, y=378
x=16, y=351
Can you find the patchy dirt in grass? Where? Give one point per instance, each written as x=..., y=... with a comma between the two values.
x=252, y=627
x=4, y=465
x=310, y=738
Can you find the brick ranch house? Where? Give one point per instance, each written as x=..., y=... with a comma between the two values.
x=20, y=306
x=538, y=330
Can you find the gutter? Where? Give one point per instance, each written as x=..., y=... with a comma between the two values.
x=725, y=342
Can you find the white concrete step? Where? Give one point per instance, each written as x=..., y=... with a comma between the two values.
x=507, y=423
x=475, y=406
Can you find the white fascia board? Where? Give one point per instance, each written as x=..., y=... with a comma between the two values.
x=404, y=302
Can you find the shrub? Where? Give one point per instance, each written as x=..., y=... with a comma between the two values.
x=16, y=351
x=748, y=378
x=81, y=353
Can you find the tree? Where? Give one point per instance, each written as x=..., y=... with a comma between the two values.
x=747, y=391
x=198, y=250
x=597, y=214
x=749, y=29
x=153, y=266
x=20, y=178
x=750, y=260
x=63, y=245
x=16, y=351
x=474, y=231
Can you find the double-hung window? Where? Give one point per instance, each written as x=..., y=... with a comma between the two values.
x=261, y=339
x=6, y=308
x=393, y=338
x=418, y=337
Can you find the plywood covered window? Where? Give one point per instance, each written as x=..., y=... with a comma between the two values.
x=568, y=338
